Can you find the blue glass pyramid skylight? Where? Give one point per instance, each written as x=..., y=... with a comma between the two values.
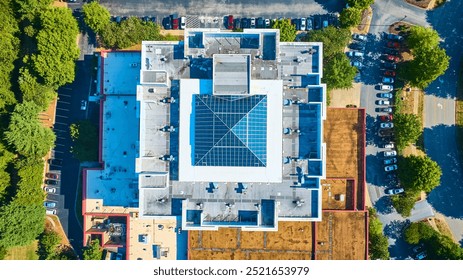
x=230, y=130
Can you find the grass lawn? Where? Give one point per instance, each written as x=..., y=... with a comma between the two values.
x=27, y=252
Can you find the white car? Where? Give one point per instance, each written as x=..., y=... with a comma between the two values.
x=394, y=191
x=390, y=168
x=182, y=22
x=385, y=95
x=383, y=102
x=390, y=161
x=354, y=54
x=303, y=24
x=50, y=211
x=390, y=153
x=83, y=105
x=49, y=189
x=386, y=125
x=386, y=87
x=388, y=80
x=388, y=146
x=359, y=37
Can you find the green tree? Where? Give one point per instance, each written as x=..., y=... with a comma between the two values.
x=338, y=73
x=287, y=30
x=350, y=17
x=84, y=135
x=93, y=251
x=417, y=231
x=26, y=134
x=378, y=244
x=421, y=37
x=48, y=245
x=28, y=188
x=35, y=92
x=419, y=173
x=334, y=40
x=57, y=50
x=20, y=224
x=360, y=4
x=404, y=203
x=6, y=158
x=407, y=128
x=96, y=16
x=29, y=8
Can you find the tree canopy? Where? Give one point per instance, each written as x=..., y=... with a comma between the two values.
x=405, y=202
x=334, y=39
x=429, y=62
x=48, y=245
x=26, y=134
x=95, y=16
x=35, y=92
x=350, y=17
x=419, y=173
x=57, y=50
x=360, y=4
x=287, y=29
x=338, y=73
x=84, y=135
x=378, y=244
x=407, y=128
x=93, y=251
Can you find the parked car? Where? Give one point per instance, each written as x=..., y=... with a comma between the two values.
x=167, y=23
x=175, y=23
x=385, y=95
x=303, y=21
x=390, y=161
x=325, y=23
x=391, y=51
x=394, y=191
x=230, y=22
x=309, y=24
x=384, y=109
x=421, y=256
x=418, y=248
x=83, y=105
x=297, y=23
x=388, y=80
x=357, y=64
x=394, y=37
x=183, y=22
x=237, y=23
x=390, y=168
x=390, y=153
x=392, y=44
x=245, y=23
x=359, y=37
x=54, y=161
x=385, y=118
x=49, y=190
x=49, y=204
x=51, y=182
x=357, y=46
x=260, y=22
x=267, y=23
x=392, y=58
x=386, y=87
x=383, y=102
x=354, y=54
x=389, y=146
x=386, y=133
x=386, y=125
x=253, y=23
x=389, y=73
x=52, y=175
x=390, y=65
x=50, y=211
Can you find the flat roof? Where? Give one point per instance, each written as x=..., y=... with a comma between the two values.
x=231, y=73
x=270, y=173
x=121, y=64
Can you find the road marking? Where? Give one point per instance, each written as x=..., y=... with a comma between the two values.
x=62, y=145
x=440, y=106
x=59, y=137
x=65, y=102
x=61, y=116
x=56, y=151
x=61, y=123
x=62, y=109
x=65, y=95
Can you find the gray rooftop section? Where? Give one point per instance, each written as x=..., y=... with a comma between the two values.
x=231, y=73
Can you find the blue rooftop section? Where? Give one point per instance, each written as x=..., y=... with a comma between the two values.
x=201, y=68
x=315, y=59
x=316, y=94
x=310, y=121
x=179, y=50
x=229, y=130
x=310, y=79
x=195, y=40
x=205, y=87
x=177, y=206
x=314, y=203
x=269, y=47
x=182, y=241
x=173, y=137
x=268, y=212
x=121, y=72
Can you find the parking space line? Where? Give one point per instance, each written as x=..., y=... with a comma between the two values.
x=61, y=145
x=61, y=123
x=63, y=102
x=63, y=109
x=65, y=95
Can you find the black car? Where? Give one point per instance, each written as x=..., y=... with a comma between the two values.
x=357, y=46
x=167, y=23
x=153, y=19
x=237, y=23
x=390, y=65
x=391, y=51
x=260, y=22
x=51, y=182
x=296, y=22
x=245, y=23
x=54, y=161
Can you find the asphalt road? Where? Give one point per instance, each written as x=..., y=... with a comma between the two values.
x=266, y=8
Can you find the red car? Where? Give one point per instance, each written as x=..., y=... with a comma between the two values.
x=385, y=118
x=389, y=73
x=394, y=45
x=52, y=176
x=230, y=22
x=392, y=58
x=175, y=23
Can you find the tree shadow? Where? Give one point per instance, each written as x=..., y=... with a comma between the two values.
x=331, y=6
x=447, y=21
x=441, y=147
x=395, y=228
x=384, y=205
